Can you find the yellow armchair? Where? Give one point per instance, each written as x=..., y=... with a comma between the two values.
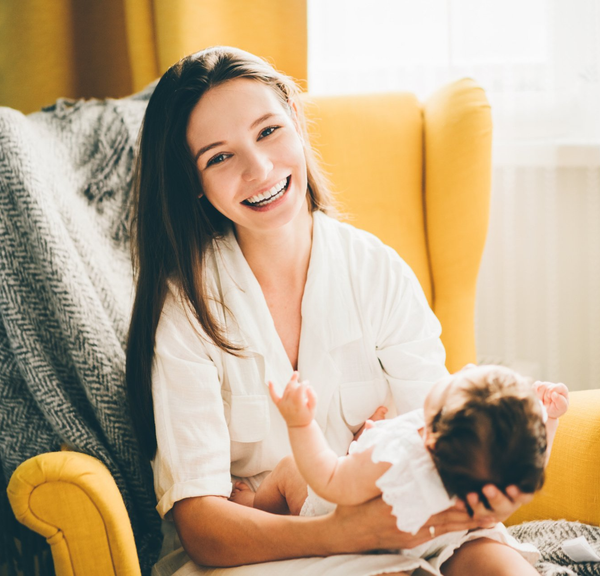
x=418, y=176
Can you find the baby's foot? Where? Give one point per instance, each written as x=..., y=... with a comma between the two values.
x=242, y=494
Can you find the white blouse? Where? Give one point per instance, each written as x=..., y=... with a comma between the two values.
x=368, y=338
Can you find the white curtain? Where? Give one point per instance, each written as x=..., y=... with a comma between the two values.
x=538, y=304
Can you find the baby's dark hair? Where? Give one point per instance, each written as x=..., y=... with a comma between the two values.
x=490, y=430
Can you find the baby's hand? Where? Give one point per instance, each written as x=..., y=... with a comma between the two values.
x=554, y=397
x=298, y=403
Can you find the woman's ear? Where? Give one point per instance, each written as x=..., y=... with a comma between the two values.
x=294, y=114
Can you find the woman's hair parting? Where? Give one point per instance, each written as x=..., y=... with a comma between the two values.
x=489, y=431
x=171, y=225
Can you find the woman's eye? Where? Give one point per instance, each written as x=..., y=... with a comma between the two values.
x=268, y=131
x=216, y=159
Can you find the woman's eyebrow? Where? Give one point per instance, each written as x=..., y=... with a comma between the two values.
x=261, y=119
x=206, y=149
x=221, y=143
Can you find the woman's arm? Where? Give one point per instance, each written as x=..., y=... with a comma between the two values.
x=216, y=532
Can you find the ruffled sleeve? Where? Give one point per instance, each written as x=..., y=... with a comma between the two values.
x=412, y=486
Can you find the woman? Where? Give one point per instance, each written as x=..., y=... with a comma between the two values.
x=243, y=278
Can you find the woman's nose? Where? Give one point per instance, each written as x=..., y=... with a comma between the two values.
x=258, y=166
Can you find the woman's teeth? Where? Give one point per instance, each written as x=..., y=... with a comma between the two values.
x=270, y=195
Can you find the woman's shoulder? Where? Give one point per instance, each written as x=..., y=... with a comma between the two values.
x=356, y=243
x=176, y=313
x=368, y=261
x=178, y=321
x=347, y=232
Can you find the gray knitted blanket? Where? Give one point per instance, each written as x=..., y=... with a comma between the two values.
x=548, y=537
x=66, y=292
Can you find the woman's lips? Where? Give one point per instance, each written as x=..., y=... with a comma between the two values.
x=273, y=202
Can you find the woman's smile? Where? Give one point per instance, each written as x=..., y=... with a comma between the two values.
x=269, y=199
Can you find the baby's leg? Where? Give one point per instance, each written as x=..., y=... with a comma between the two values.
x=283, y=491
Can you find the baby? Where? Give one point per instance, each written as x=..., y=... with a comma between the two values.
x=483, y=425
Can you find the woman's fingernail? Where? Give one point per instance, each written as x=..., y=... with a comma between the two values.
x=489, y=491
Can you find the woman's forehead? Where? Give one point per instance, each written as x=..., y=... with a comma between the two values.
x=234, y=102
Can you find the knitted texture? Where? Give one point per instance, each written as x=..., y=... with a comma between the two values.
x=66, y=292
x=548, y=535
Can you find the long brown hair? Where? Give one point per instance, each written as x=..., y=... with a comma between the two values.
x=171, y=227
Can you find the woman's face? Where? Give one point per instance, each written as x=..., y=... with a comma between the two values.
x=249, y=155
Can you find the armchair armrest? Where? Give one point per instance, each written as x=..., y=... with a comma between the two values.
x=72, y=500
x=572, y=488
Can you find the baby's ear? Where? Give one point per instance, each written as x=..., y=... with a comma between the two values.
x=429, y=442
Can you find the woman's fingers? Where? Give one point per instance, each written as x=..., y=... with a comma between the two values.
x=454, y=520
x=517, y=496
x=502, y=504
x=452, y=516
x=374, y=522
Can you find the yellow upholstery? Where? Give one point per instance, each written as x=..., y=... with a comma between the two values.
x=458, y=143
x=72, y=500
x=572, y=487
x=418, y=177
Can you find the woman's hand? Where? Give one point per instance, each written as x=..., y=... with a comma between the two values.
x=502, y=504
x=372, y=526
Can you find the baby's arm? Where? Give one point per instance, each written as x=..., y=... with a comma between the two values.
x=555, y=398
x=345, y=480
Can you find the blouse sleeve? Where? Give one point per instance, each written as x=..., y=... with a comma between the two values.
x=407, y=333
x=193, y=454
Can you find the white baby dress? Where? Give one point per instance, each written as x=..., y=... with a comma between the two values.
x=414, y=490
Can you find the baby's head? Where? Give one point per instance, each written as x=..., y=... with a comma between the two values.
x=484, y=425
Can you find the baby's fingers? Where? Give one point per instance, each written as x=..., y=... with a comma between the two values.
x=274, y=396
x=560, y=402
x=562, y=390
x=292, y=385
x=311, y=397
x=540, y=389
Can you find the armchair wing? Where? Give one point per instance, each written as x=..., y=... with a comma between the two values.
x=72, y=500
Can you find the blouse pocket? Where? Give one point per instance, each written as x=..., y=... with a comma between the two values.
x=249, y=419
x=360, y=399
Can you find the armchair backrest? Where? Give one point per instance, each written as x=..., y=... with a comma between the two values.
x=419, y=177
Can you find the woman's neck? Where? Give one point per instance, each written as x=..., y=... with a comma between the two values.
x=279, y=256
